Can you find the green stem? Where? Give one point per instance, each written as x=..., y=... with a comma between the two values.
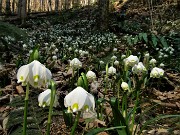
x=53, y=92
x=134, y=111
x=75, y=123
x=25, y=110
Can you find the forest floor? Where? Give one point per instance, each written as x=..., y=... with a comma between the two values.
x=159, y=98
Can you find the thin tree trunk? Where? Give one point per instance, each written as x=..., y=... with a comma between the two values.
x=0, y=6
x=103, y=13
x=56, y=5
x=8, y=7
x=22, y=11
x=49, y=5
x=28, y=8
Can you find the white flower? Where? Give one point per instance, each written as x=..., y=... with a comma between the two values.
x=113, y=58
x=101, y=62
x=115, y=50
x=75, y=63
x=56, y=50
x=91, y=75
x=23, y=74
x=146, y=55
x=53, y=45
x=54, y=57
x=24, y=46
x=116, y=63
x=79, y=100
x=70, y=48
x=124, y=86
x=30, y=51
x=161, y=65
x=76, y=50
x=156, y=72
x=131, y=60
x=123, y=56
x=44, y=98
x=138, y=68
x=34, y=73
x=152, y=61
x=111, y=70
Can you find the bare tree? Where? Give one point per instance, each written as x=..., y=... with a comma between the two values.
x=103, y=13
x=8, y=7
x=0, y=6
x=22, y=10
x=49, y=5
x=56, y=5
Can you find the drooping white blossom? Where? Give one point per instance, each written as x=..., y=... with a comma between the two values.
x=44, y=98
x=34, y=73
x=111, y=70
x=75, y=63
x=91, y=75
x=131, y=60
x=156, y=72
x=124, y=86
x=138, y=68
x=79, y=100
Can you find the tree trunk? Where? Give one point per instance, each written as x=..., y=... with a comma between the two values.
x=0, y=6
x=56, y=5
x=22, y=11
x=103, y=13
x=49, y=5
x=28, y=8
x=8, y=7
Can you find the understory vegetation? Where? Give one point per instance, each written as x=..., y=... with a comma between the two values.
x=132, y=87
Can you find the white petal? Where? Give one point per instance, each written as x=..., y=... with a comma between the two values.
x=23, y=73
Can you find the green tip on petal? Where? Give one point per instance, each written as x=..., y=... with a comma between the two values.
x=75, y=107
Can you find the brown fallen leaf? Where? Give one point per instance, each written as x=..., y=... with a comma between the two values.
x=19, y=89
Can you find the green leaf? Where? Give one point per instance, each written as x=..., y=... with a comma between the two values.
x=85, y=81
x=164, y=42
x=118, y=117
x=98, y=130
x=156, y=119
x=35, y=54
x=129, y=41
x=144, y=36
x=95, y=131
x=135, y=40
x=67, y=118
x=154, y=40
x=140, y=36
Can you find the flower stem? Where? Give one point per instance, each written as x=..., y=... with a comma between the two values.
x=75, y=123
x=25, y=109
x=53, y=91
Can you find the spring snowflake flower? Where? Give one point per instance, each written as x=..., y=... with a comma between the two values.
x=124, y=86
x=101, y=62
x=54, y=57
x=131, y=60
x=123, y=56
x=116, y=63
x=79, y=100
x=34, y=73
x=115, y=50
x=113, y=58
x=111, y=71
x=91, y=75
x=152, y=61
x=156, y=72
x=44, y=98
x=75, y=63
x=139, y=68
